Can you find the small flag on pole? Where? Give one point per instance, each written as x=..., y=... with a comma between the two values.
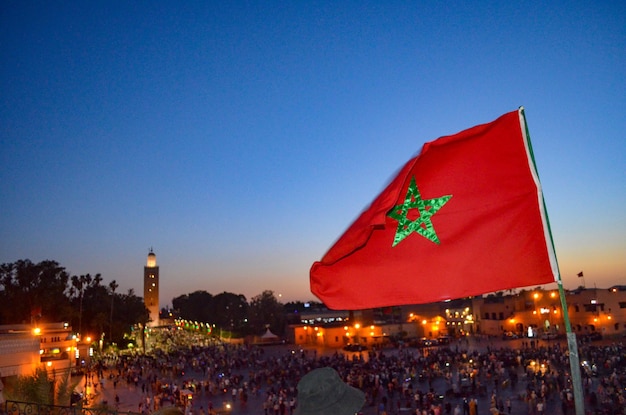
x=464, y=217
x=580, y=274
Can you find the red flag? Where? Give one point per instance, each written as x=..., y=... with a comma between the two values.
x=464, y=217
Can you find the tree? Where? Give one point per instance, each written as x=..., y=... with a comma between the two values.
x=197, y=306
x=78, y=287
x=45, y=292
x=113, y=286
x=41, y=388
x=130, y=311
x=36, y=292
x=266, y=310
x=94, y=318
x=231, y=311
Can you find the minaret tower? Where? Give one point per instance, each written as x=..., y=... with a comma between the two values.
x=151, y=288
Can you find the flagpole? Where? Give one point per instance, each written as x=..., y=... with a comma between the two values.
x=574, y=361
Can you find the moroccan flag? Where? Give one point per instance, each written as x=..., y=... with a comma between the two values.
x=464, y=217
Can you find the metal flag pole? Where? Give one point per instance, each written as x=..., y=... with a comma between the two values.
x=574, y=361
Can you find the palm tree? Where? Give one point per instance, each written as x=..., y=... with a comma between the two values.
x=113, y=286
x=79, y=284
x=77, y=289
x=40, y=388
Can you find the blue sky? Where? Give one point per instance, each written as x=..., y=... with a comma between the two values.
x=240, y=139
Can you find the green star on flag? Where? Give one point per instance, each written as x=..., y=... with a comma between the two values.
x=426, y=208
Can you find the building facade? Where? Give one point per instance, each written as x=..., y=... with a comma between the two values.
x=151, y=288
x=370, y=328
x=532, y=313
x=540, y=312
x=24, y=348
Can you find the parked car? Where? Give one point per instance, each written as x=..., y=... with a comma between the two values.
x=509, y=335
x=352, y=347
x=444, y=339
x=426, y=342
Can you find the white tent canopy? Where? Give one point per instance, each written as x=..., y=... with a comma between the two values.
x=267, y=338
x=269, y=335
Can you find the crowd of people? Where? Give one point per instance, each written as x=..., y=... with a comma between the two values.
x=453, y=380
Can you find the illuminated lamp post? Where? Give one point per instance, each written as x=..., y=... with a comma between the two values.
x=357, y=332
x=535, y=312
x=553, y=315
